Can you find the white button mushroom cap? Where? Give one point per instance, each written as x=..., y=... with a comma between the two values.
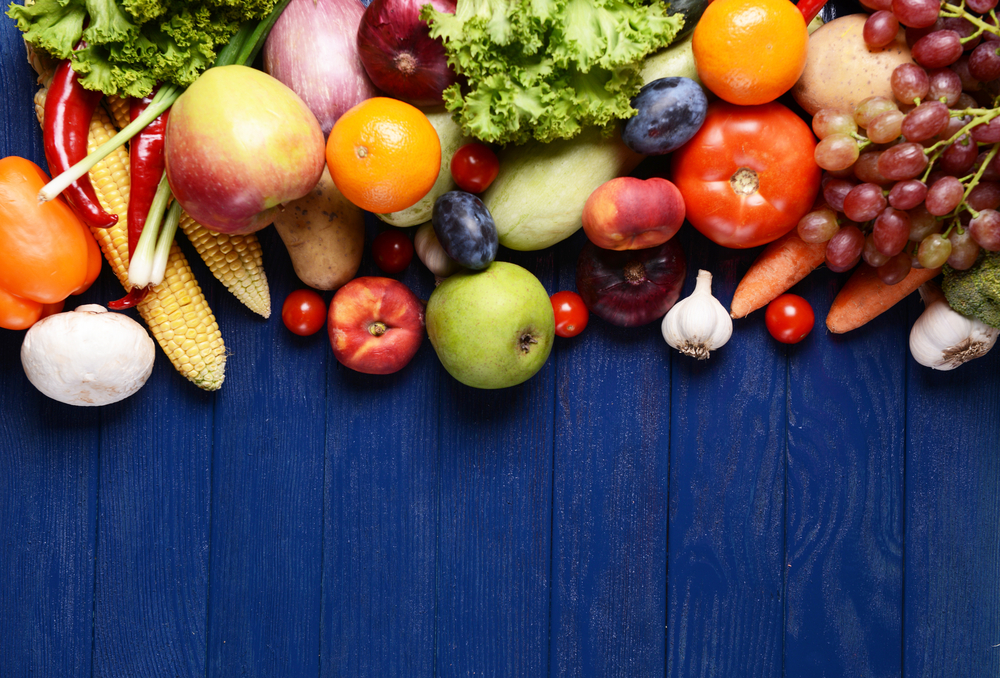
x=87, y=356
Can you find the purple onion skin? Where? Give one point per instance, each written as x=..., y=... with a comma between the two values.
x=630, y=288
x=313, y=49
x=399, y=54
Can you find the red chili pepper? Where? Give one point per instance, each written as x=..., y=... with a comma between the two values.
x=68, y=110
x=146, y=165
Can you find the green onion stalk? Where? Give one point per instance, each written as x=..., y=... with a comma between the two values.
x=150, y=258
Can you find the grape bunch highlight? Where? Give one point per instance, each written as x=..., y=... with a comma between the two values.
x=914, y=181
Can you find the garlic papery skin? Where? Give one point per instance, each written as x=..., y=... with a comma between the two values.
x=943, y=338
x=432, y=254
x=698, y=324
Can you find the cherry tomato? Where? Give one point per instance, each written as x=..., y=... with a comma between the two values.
x=789, y=318
x=304, y=312
x=749, y=174
x=392, y=250
x=474, y=167
x=571, y=313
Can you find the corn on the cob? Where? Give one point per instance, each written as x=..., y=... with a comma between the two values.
x=176, y=311
x=235, y=260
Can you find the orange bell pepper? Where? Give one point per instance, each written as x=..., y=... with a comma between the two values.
x=46, y=252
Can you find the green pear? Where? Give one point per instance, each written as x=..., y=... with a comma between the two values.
x=492, y=328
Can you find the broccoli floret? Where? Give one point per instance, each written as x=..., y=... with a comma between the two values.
x=975, y=292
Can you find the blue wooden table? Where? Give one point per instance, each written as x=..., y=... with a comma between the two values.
x=824, y=509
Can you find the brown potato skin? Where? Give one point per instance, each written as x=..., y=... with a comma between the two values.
x=840, y=69
x=324, y=234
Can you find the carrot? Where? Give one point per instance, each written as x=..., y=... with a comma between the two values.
x=864, y=297
x=783, y=263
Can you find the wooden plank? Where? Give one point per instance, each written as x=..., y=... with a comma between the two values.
x=495, y=516
x=727, y=474
x=952, y=504
x=845, y=489
x=267, y=490
x=381, y=511
x=609, y=523
x=48, y=467
x=152, y=562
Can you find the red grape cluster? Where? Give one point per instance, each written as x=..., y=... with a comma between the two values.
x=915, y=180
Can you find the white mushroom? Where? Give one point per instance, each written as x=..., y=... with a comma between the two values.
x=87, y=356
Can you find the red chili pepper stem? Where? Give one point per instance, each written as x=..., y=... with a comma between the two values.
x=163, y=100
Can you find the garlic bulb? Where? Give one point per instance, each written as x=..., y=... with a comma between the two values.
x=699, y=324
x=430, y=251
x=943, y=338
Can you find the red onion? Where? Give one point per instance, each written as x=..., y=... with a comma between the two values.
x=399, y=54
x=630, y=288
x=312, y=49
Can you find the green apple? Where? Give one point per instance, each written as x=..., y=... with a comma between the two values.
x=492, y=328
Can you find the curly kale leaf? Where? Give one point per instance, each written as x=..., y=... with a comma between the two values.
x=132, y=45
x=544, y=69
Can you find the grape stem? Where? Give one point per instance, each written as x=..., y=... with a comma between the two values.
x=953, y=11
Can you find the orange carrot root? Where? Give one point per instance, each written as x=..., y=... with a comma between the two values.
x=783, y=263
x=864, y=297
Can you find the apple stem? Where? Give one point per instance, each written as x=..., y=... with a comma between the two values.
x=526, y=341
x=377, y=329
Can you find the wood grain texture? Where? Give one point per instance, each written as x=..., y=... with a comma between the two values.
x=267, y=491
x=492, y=579
x=844, y=497
x=609, y=523
x=724, y=580
x=827, y=509
x=952, y=598
x=49, y=456
x=381, y=505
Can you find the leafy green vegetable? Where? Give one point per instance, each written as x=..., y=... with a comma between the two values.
x=975, y=292
x=131, y=45
x=544, y=69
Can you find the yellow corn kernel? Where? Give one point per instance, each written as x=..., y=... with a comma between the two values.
x=118, y=107
x=188, y=332
x=235, y=260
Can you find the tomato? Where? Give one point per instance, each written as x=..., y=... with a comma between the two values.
x=304, y=312
x=789, y=318
x=392, y=250
x=749, y=174
x=474, y=167
x=571, y=313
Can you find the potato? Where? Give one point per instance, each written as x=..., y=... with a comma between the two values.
x=840, y=69
x=324, y=234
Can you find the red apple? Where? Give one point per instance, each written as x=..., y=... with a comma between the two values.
x=627, y=213
x=238, y=145
x=375, y=325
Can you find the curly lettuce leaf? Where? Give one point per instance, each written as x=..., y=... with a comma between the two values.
x=132, y=45
x=545, y=69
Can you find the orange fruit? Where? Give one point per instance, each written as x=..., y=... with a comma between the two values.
x=384, y=155
x=750, y=52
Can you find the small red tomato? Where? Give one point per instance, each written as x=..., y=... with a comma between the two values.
x=474, y=167
x=304, y=312
x=571, y=313
x=789, y=318
x=392, y=250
